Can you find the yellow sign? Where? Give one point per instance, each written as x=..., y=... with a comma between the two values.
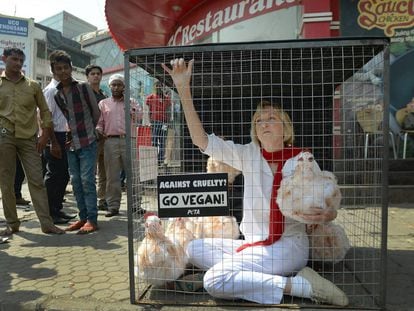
x=387, y=15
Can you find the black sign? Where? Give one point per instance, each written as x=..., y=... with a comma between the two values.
x=193, y=195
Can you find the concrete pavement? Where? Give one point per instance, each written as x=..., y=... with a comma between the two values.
x=90, y=272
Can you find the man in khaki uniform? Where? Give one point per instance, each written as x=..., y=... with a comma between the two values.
x=20, y=98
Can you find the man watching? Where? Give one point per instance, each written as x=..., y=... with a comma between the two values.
x=20, y=98
x=94, y=77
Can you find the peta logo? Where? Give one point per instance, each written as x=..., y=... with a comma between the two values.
x=386, y=15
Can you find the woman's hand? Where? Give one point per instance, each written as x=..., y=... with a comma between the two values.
x=180, y=72
x=318, y=215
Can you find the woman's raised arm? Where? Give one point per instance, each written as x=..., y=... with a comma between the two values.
x=181, y=75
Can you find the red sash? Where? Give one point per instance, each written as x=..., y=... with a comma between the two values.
x=277, y=220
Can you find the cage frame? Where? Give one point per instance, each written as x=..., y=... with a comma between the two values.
x=285, y=44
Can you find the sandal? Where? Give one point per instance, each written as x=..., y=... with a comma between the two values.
x=8, y=231
x=88, y=228
x=76, y=225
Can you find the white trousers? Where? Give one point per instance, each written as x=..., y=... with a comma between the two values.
x=257, y=273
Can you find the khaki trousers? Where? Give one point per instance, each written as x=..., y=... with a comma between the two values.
x=32, y=165
x=115, y=161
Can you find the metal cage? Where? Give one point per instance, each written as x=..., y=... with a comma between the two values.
x=336, y=92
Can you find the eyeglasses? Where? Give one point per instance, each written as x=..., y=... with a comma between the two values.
x=270, y=121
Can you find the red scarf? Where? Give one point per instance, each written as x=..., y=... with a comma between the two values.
x=277, y=220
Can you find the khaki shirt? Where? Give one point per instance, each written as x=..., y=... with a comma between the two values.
x=18, y=107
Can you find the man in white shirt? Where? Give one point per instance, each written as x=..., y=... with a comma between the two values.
x=56, y=174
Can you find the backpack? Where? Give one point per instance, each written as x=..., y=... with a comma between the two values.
x=408, y=123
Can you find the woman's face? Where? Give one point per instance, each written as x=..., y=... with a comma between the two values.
x=269, y=127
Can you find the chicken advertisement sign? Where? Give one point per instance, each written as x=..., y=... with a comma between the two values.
x=193, y=195
x=386, y=15
x=386, y=18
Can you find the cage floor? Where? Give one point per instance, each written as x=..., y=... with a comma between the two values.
x=356, y=291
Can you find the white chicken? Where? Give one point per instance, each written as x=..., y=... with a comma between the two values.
x=307, y=188
x=215, y=166
x=158, y=259
x=178, y=232
x=328, y=242
x=224, y=227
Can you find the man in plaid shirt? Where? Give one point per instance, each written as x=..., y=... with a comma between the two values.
x=78, y=104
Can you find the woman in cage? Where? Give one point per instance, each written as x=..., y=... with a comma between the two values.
x=271, y=261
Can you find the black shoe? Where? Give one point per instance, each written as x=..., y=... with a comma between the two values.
x=111, y=213
x=103, y=206
x=21, y=201
x=60, y=221
x=63, y=215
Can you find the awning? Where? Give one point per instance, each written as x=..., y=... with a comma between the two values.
x=145, y=23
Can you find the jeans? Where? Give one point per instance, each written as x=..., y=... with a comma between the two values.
x=159, y=134
x=82, y=173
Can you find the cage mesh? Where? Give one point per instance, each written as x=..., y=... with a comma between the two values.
x=337, y=111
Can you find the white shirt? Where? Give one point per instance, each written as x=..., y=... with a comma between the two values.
x=258, y=182
x=60, y=123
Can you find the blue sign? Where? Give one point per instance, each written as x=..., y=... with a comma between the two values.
x=14, y=27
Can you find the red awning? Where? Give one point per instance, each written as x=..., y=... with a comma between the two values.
x=145, y=23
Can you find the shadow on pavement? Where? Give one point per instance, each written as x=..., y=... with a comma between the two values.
x=106, y=238
x=23, y=269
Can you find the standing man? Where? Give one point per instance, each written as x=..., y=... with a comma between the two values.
x=20, y=98
x=111, y=126
x=56, y=175
x=158, y=104
x=79, y=106
x=94, y=77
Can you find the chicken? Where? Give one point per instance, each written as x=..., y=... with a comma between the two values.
x=224, y=227
x=215, y=166
x=308, y=187
x=158, y=259
x=178, y=231
x=328, y=242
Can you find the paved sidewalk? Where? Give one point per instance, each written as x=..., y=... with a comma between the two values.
x=90, y=272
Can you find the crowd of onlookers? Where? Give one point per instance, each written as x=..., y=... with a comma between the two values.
x=79, y=132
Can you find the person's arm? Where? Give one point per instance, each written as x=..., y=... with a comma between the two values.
x=55, y=149
x=135, y=111
x=45, y=120
x=181, y=75
x=101, y=122
x=93, y=104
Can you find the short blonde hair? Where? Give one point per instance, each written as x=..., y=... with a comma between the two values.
x=288, y=133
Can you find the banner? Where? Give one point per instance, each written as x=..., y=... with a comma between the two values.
x=193, y=195
x=14, y=32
